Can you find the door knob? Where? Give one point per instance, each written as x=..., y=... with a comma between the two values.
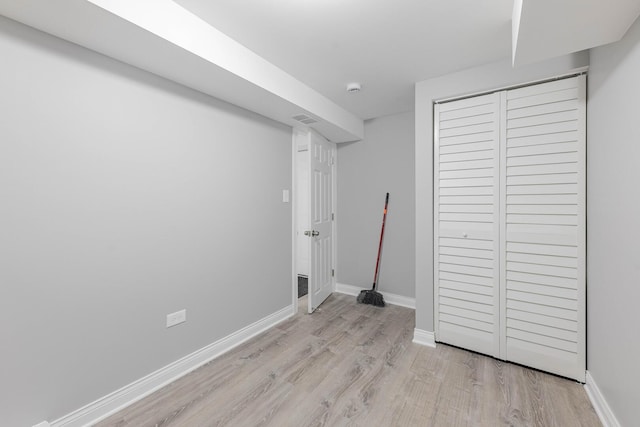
x=311, y=233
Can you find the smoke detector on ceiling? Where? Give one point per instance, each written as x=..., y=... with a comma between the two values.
x=354, y=87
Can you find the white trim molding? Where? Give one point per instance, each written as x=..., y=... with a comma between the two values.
x=389, y=298
x=42, y=424
x=119, y=399
x=607, y=418
x=426, y=338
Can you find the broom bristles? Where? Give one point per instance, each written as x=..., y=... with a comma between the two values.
x=371, y=297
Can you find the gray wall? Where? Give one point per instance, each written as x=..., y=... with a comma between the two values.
x=613, y=233
x=125, y=197
x=381, y=163
x=485, y=78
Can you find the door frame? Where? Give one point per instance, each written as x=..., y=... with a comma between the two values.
x=300, y=136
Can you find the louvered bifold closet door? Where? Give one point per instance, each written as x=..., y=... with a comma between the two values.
x=543, y=227
x=466, y=223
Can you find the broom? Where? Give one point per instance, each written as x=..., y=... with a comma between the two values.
x=372, y=296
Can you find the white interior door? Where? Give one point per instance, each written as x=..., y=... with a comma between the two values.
x=320, y=232
x=543, y=236
x=510, y=224
x=466, y=223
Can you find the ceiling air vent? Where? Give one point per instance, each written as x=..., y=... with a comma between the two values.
x=303, y=118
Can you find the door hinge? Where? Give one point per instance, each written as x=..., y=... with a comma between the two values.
x=333, y=272
x=333, y=217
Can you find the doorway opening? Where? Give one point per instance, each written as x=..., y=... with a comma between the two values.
x=303, y=294
x=301, y=197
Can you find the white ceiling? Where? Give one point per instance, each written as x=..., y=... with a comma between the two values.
x=284, y=58
x=549, y=28
x=163, y=38
x=387, y=45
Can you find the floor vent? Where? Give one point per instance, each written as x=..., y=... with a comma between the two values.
x=303, y=118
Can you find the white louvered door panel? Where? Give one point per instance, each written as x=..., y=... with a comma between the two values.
x=542, y=275
x=466, y=223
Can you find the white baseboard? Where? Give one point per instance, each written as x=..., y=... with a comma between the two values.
x=43, y=424
x=389, y=298
x=112, y=403
x=425, y=338
x=607, y=418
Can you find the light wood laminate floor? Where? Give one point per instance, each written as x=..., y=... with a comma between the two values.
x=350, y=364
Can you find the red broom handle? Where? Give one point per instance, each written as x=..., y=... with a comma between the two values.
x=384, y=219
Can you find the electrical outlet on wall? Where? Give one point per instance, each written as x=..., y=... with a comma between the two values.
x=176, y=318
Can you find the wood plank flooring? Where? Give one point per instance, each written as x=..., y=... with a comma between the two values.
x=350, y=364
